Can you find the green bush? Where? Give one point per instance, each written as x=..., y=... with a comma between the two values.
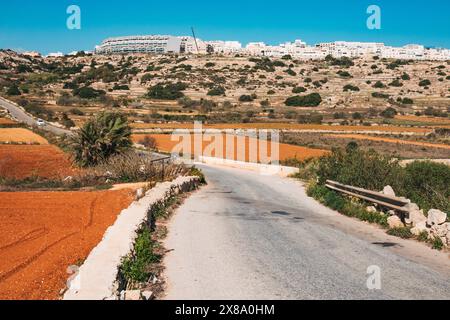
x=298, y=90
x=365, y=169
x=401, y=232
x=437, y=243
x=134, y=267
x=170, y=91
x=217, y=91
x=427, y=184
x=310, y=100
x=424, y=83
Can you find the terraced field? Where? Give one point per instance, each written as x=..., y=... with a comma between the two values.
x=285, y=126
x=236, y=149
x=42, y=233
x=20, y=135
x=21, y=161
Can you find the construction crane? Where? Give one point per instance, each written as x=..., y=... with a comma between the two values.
x=195, y=39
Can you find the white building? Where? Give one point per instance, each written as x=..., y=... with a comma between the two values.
x=157, y=44
x=161, y=44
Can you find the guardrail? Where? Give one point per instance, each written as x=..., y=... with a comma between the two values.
x=163, y=162
x=379, y=198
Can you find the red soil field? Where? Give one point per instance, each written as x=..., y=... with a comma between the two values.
x=6, y=121
x=42, y=233
x=21, y=161
x=286, y=151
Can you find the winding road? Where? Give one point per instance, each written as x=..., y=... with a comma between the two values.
x=20, y=115
x=251, y=236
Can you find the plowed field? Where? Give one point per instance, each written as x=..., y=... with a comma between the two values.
x=42, y=233
x=21, y=161
x=286, y=151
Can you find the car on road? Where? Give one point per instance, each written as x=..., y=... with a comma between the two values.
x=40, y=122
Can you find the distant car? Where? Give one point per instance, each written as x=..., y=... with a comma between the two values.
x=40, y=122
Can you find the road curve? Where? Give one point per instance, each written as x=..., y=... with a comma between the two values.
x=21, y=116
x=250, y=236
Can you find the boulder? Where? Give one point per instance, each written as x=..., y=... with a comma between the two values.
x=411, y=206
x=72, y=269
x=439, y=230
x=415, y=217
x=388, y=191
x=371, y=209
x=419, y=228
x=395, y=222
x=139, y=193
x=436, y=217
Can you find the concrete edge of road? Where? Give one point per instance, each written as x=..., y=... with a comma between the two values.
x=96, y=279
x=265, y=169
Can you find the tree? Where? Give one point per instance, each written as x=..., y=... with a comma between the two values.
x=101, y=137
x=310, y=100
x=13, y=91
x=149, y=142
x=217, y=91
x=388, y=113
x=424, y=83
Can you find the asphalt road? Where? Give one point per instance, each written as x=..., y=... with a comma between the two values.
x=24, y=117
x=249, y=236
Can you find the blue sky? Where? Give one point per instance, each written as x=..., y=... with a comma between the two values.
x=41, y=25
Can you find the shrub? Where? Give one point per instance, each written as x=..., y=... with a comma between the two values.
x=100, y=138
x=437, y=243
x=310, y=118
x=149, y=142
x=344, y=74
x=310, y=100
x=350, y=87
x=121, y=87
x=380, y=95
x=245, y=98
x=170, y=91
x=365, y=169
x=396, y=83
x=13, y=91
x=427, y=184
x=379, y=85
x=134, y=267
x=388, y=113
x=299, y=90
x=424, y=83
x=401, y=232
x=88, y=93
x=217, y=91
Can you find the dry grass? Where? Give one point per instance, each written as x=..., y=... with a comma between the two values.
x=282, y=126
x=20, y=135
x=390, y=140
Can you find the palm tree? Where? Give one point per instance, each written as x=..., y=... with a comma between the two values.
x=101, y=137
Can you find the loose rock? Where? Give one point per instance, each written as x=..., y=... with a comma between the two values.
x=415, y=217
x=395, y=222
x=436, y=217
x=388, y=191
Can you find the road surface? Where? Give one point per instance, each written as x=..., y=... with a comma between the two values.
x=24, y=117
x=249, y=236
